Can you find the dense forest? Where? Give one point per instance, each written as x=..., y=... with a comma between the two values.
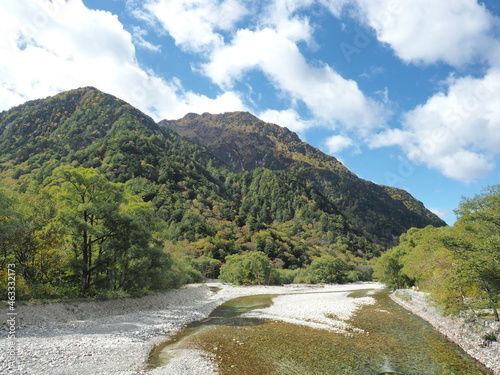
x=96, y=199
x=459, y=265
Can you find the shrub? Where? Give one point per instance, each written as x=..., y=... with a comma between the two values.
x=253, y=268
x=329, y=269
x=209, y=267
x=490, y=337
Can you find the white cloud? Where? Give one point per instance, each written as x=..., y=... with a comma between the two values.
x=335, y=6
x=457, y=132
x=443, y=214
x=228, y=101
x=268, y=43
x=428, y=31
x=194, y=24
x=282, y=15
x=138, y=35
x=50, y=47
x=331, y=98
x=338, y=143
x=288, y=118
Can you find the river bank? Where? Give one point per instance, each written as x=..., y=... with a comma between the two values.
x=469, y=336
x=116, y=336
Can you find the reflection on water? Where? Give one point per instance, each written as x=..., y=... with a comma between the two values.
x=394, y=342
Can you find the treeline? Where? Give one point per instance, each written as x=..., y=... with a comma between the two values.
x=458, y=265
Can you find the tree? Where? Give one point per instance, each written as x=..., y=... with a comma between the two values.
x=253, y=268
x=87, y=208
x=110, y=233
x=459, y=265
x=8, y=227
x=476, y=241
x=328, y=269
x=388, y=268
x=431, y=265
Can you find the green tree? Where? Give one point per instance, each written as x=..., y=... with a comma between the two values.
x=476, y=241
x=431, y=265
x=328, y=269
x=253, y=268
x=388, y=268
x=88, y=205
x=209, y=267
x=8, y=227
x=110, y=233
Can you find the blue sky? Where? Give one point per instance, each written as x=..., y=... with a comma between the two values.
x=404, y=92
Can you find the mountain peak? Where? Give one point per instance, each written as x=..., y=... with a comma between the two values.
x=240, y=139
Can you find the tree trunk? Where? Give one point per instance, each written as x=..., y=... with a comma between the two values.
x=495, y=313
x=87, y=258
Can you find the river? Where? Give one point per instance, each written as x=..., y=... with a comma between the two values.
x=383, y=338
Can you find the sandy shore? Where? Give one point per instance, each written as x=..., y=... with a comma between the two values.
x=468, y=336
x=115, y=337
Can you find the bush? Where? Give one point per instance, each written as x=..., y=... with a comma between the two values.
x=183, y=272
x=490, y=337
x=288, y=276
x=208, y=267
x=254, y=268
x=328, y=269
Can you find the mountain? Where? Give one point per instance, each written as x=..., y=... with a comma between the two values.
x=245, y=143
x=218, y=184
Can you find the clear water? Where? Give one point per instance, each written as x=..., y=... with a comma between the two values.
x=395, y=342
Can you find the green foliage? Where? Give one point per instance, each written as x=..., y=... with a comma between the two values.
x=246, y=143
x=82, y=235
x=184, y=271
x=253, y=268
x=329, y=270
x=208, y=267
x=490, y=337
x=459, y=265
x=388, y=269
x=100, y=200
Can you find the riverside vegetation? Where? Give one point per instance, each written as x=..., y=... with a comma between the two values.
x=459, y=265
x=98, y=200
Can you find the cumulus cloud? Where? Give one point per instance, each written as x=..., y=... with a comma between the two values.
x=429, y=31
x=288, y=118
x=194, y=24
x=330, y=97
x=284, y=16
x=269, y=44
x=338, y=143
x=456, y=132
x=52, y=46
x=138, y=35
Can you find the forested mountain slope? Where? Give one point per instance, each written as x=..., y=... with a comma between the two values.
x=245, y=143
x=228, y=184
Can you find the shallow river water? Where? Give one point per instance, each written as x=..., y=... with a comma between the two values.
x=393, y=341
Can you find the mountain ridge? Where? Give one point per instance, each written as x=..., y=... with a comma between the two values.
x=240, y=139
x=238, y=185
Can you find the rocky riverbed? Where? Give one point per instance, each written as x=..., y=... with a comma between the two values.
x=116, y=336
x=465, y=333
